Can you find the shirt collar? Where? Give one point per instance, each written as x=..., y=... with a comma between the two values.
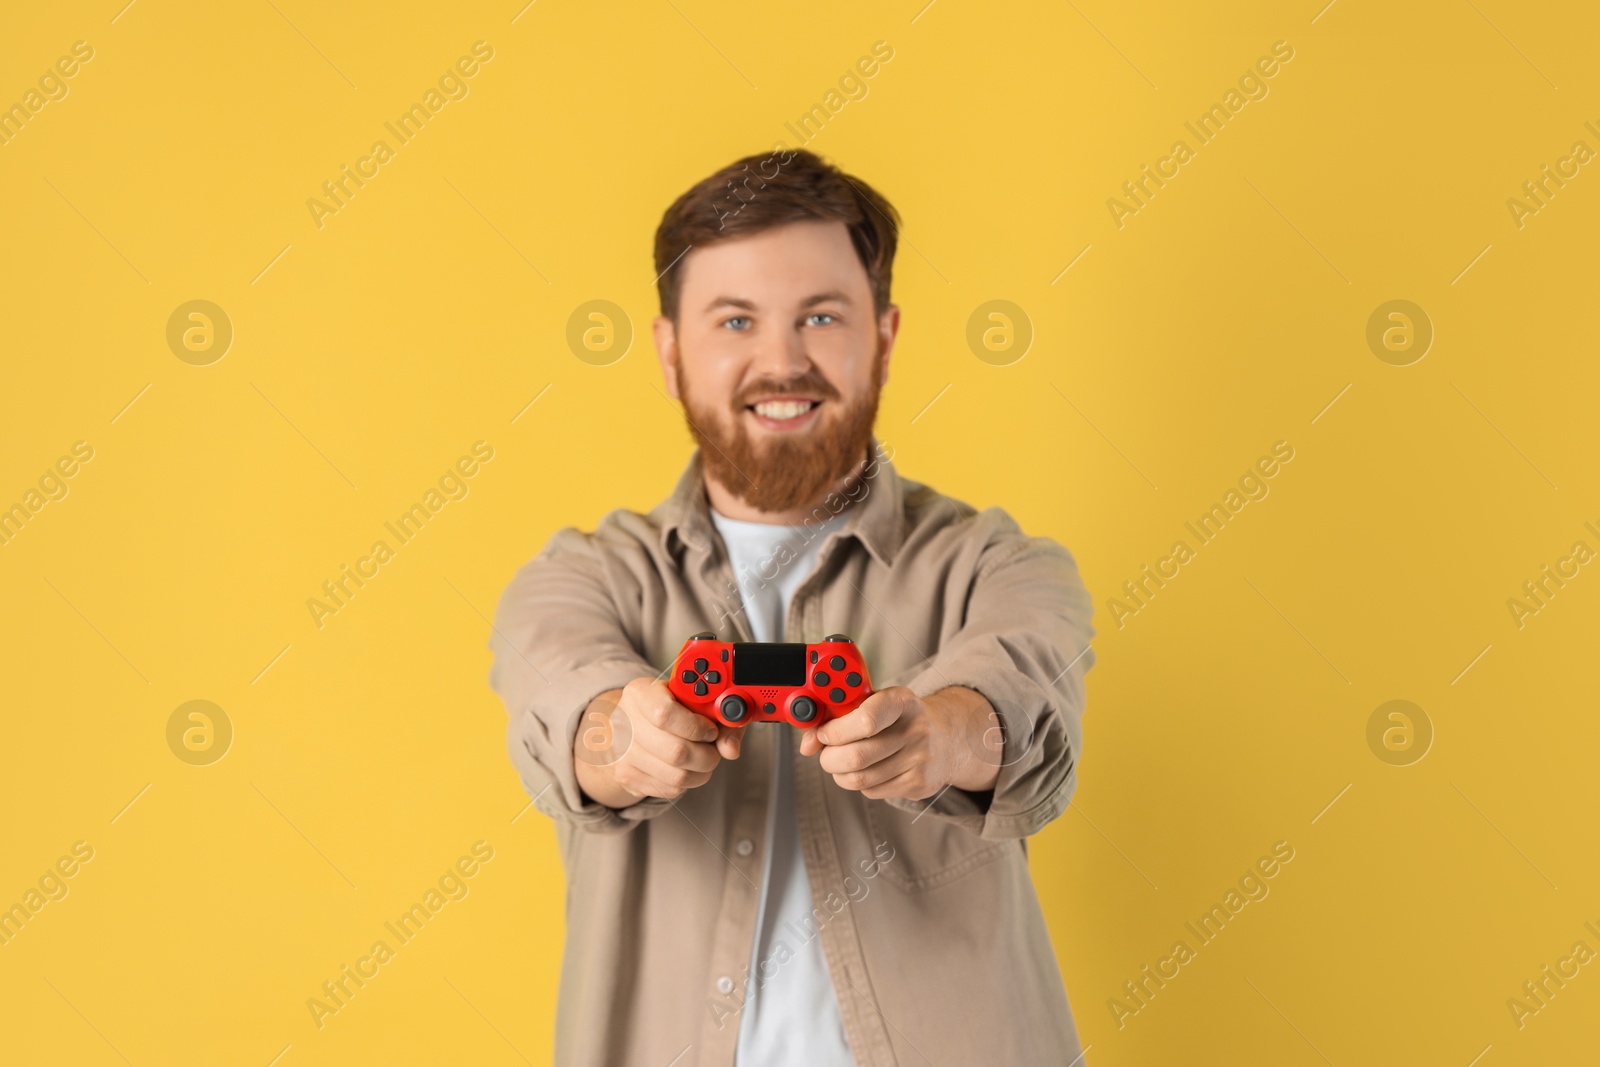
x=876, y=518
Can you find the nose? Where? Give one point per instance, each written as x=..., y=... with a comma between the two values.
x=782, y=355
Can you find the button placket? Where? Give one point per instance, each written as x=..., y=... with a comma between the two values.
x=841, y=945
x=864, y=1026
x=741, y=893
x=729, y=961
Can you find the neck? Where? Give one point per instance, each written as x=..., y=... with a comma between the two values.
x=733, y=507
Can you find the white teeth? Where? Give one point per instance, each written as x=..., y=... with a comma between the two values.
x=784, y=409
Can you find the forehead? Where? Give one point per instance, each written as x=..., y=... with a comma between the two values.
x=784, y=263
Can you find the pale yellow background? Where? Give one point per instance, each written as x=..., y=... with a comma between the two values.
x=1225, y=316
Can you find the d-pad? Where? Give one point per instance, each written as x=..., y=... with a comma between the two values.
x=700, y=676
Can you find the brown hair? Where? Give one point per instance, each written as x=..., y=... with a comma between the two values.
x=760, y=192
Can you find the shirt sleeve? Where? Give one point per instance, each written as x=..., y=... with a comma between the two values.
x=1024, y=643
x=559, y=641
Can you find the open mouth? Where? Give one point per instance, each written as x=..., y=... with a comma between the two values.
x=784, y=413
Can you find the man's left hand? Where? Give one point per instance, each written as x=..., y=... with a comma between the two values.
x=897, y=744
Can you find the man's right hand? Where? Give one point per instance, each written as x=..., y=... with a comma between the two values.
x=638, y=742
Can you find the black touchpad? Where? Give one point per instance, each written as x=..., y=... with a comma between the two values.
x=769, y=664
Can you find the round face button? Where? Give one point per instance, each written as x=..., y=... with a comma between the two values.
x=852, y=678
x=837, y=663
x=836, y=695
x=821, y=678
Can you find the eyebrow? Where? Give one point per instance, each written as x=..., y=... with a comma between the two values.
x=749, y=305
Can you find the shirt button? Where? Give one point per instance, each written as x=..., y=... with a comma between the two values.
x=724, y=985
x=745, y=846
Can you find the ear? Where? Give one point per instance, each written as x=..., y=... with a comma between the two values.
x=888, y=330
x=666, y=335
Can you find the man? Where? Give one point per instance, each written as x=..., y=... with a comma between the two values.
x=854, y=893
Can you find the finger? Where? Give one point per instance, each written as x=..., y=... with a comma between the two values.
x=660, y=777
x=910, y=784
x=809, y=745
x=877, y=713
x=859, y=755
x=729, y=738
x=674, y=751
x=877, y=774
x=655, y=703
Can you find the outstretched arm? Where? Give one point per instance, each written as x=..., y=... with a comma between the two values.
x=991, y=728
x=560, y=644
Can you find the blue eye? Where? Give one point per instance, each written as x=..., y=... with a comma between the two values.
x=738, y=322
x=819, y=315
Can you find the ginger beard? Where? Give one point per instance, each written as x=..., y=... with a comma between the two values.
x=788, y=470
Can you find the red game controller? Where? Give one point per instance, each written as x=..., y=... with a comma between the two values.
x=739, y=682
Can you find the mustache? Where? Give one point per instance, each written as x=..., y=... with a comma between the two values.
x=808, y=384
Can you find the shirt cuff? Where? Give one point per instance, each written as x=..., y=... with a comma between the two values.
x=1038, y=773
x=543, y=739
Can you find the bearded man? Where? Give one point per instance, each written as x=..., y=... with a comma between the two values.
x=856, y=892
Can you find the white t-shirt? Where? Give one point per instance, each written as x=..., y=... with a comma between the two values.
x=790, y=1019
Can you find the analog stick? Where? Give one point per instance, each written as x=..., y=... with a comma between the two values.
x=804, y=708
x=734, y=708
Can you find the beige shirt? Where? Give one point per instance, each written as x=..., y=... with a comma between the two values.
x=925, y=911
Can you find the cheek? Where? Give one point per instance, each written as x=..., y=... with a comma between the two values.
x=710, y=367
x=847, y=360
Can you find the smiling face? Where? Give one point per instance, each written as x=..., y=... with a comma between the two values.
x=778, y=357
